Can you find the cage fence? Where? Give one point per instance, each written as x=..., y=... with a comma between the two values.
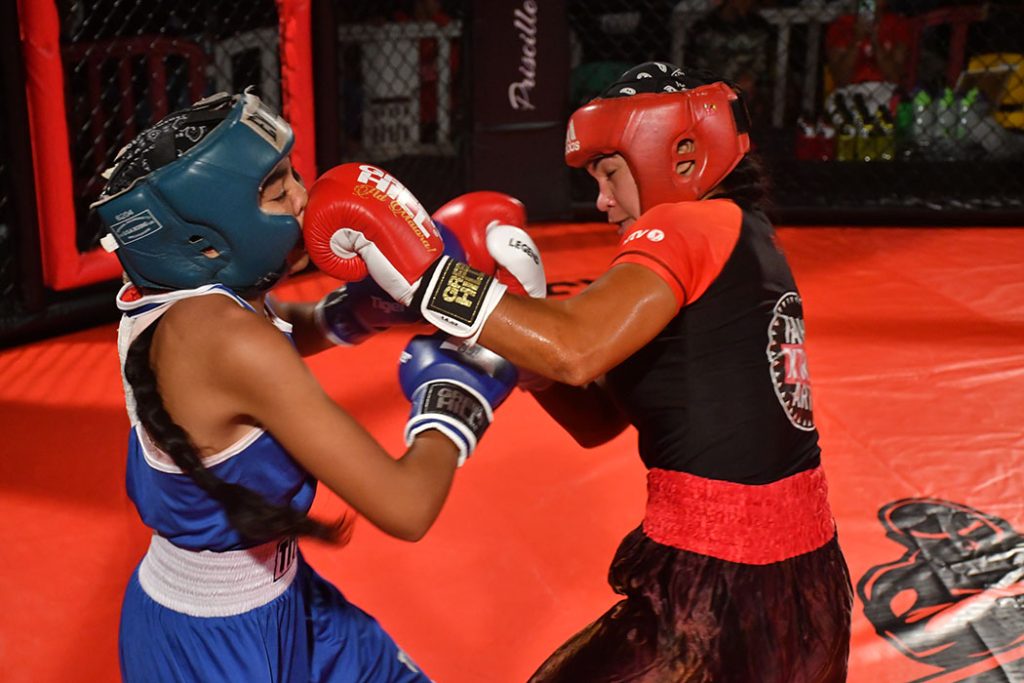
x=402, y=92
x=125, y=65
x=906, y=104
x=128, y=64
x=887, y=106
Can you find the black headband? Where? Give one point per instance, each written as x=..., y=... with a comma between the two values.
x=656, y=77
x=166, y=140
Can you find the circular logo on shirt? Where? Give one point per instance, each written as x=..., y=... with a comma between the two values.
x=655, y=235
x=788, y=362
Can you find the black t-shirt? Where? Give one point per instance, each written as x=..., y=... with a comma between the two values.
x=723, y=392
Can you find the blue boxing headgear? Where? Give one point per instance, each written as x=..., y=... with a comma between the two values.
x=195, y=219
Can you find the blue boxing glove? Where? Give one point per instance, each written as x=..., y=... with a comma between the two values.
x=453, y=390
x=352, y=313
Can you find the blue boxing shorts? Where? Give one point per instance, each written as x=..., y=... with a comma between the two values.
x=190, y=616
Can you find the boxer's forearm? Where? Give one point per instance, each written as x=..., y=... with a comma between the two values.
x=576, y=340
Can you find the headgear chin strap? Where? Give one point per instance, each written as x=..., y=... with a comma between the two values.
x=196, y=220
x=647, y=125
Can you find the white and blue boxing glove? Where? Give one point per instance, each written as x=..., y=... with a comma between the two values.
x=453, y=389
x=352, y=313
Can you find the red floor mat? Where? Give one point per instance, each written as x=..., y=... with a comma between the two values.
x=916, y=347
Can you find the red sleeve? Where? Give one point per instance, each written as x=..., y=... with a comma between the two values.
x=687, y=244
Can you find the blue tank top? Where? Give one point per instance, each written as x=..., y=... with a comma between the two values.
x=168, y=500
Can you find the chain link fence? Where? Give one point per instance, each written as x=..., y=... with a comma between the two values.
x=901, y=105
x=401, y=92
x=127, y=64
x=14, y=300
x=903, y=108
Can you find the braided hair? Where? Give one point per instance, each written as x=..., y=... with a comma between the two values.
x=249, y=513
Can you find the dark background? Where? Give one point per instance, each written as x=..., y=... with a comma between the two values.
x=421, y=87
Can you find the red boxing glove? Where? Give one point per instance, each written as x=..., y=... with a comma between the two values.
x=360, y=220
x=490, y=227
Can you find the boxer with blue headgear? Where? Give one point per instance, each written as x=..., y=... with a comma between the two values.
x=230, y=431
x=181, y=203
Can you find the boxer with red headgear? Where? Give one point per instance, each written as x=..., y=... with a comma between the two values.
x=703, y=127
x=694, y=336
x=711, y=371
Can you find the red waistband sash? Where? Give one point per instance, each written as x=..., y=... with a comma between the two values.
x=738, y=522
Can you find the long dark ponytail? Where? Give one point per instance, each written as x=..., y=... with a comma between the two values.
x=249, y=513
x=748, y=184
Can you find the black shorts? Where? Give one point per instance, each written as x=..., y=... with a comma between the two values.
x=693, y=618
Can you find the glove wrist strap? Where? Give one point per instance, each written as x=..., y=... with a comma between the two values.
x=454, y=409
x=457, y=299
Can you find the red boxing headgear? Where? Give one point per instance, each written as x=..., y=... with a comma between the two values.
x=647, y=128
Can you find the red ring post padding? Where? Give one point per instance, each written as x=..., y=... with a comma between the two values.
x=295, y=18
x=64, y=267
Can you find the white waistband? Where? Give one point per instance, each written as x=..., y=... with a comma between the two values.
x=204, y=583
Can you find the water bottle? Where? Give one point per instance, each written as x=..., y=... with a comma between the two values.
x=885, y=130
x=982, y=134
x=846, y=134
x=945, y=124
x=968, y=113
x=904, y=128
x=804, y=145
x=825, y=135
x=923, y=125
x=865, y=125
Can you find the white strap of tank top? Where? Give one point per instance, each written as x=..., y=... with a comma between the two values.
x=205, y=583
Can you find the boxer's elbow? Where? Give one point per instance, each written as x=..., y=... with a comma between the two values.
x=409, y=522
x=576, y=363
x=410, y=529
x=412, y=534
x=559, y=345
